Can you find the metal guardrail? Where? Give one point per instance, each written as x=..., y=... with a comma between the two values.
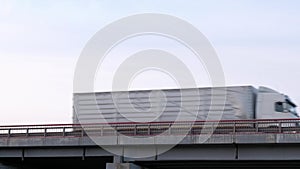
x=290, y=126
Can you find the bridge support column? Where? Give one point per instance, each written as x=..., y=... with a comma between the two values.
x=122, y=166
x=119, y=164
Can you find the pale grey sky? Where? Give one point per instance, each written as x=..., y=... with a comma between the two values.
x=258, y=43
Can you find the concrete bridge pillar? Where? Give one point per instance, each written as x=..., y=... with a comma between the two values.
x=122, y=166
x=119, y=164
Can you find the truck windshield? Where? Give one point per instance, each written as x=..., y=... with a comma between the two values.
x=291, y=107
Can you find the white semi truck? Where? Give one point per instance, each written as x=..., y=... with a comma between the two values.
x=220, y=103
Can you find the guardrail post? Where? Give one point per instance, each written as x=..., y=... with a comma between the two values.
x=27, y=132
x=64, y=131
x=234, y=133
x=279, y=127
x=135, y=128
x=256, y=127
x=45, y=132
x=234, y=127
x=149, y=132
x=82, y=132
x=9, y=132
x=116, y=131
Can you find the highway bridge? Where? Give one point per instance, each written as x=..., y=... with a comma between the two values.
x=230, y=144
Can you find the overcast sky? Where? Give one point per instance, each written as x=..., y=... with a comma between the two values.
x=258, y=43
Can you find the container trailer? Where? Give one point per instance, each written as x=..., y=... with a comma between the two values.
x=215, y=103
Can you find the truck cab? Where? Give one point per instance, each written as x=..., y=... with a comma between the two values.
x=271, y=104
